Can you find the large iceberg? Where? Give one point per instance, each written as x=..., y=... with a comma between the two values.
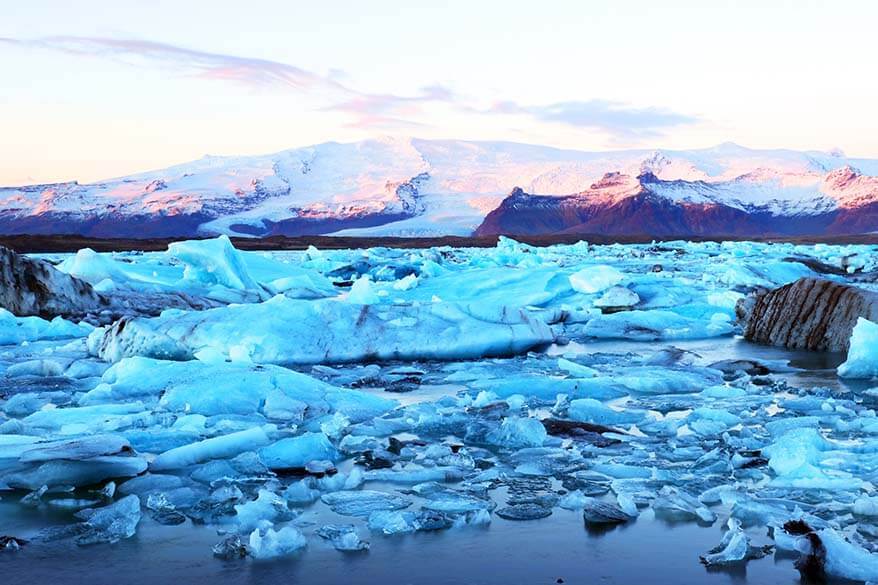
x=287, y=331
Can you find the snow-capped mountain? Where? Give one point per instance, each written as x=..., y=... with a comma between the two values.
x=436, y=187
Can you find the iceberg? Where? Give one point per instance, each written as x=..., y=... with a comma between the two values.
x=364, y=502
x=657, y=325
x=270, y=544
x=111, y=523
x=516, y=433
x=15, y=330
x=214, y=261
x=297, y=452
x=223, y=447
x=595, y=279
x=287, y=331
x=734, y=547
x=862, y=358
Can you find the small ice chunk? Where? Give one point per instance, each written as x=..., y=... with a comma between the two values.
x=617, y=297
x=223, y=447
x=43, y=368
x=847, y=560
x=862, y=359
x=594, y=411
x=598, y=512
x=361, y=292
x=406, y=282
x=574, y=500
x=575, y=369
x=364, y=502
x=214, y=261
x=343, y=537
x=595, y=279
x=866, y=506
x=76, y=449
x=657, y=325
x=267, y=508
x=111, y=523
x=518, y=432
x=734, y=546
x=296, y=452
x=269, y=544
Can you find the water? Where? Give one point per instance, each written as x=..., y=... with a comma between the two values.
x=649, y=550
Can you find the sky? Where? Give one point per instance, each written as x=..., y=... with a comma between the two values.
x=97, y=89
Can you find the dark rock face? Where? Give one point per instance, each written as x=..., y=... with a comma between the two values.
x=34, y=287
x=644, y=213
x=810, y=313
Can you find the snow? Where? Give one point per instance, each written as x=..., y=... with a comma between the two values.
x=456, y=183
x=862, y=358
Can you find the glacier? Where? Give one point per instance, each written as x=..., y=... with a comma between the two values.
x=324, y=396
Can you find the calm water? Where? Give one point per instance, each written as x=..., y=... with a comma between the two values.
x=541, y=551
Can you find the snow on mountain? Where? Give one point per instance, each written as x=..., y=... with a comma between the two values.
x=404, y=186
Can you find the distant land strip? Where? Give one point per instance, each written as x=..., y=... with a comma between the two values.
x=71, y=243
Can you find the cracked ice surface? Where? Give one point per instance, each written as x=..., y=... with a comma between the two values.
x=388, y=392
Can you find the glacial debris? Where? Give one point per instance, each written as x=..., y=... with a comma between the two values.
x=810, y=313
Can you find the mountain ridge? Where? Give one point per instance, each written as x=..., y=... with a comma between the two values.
x=415, y=187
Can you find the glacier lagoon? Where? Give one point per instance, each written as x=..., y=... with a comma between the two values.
x=570, y=412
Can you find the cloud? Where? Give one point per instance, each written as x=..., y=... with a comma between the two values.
x=365, y=110
x=216, y=66
x=619, y=120
x=384, y=110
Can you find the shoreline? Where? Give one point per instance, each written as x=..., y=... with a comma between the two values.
x=32, y=244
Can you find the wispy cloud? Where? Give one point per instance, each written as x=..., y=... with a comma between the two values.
x=619, y=120
x=369, y=110
x=217, y=66
x=365, y=110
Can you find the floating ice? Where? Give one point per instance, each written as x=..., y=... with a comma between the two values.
x=364, y=502
x=343, y=537
x=734, y=547
x=862, y=359
x=518, y=432
x=593, y=411
x=656, y=325
x=15, y=330
x=268, y=544
x=111, y=523
x=595, y=279
x=287, y=331
x=222, y=447
x=361, y=292
x=214, y=261
x=847, y=560
x=243, y=445
x=265, y=510
x=617, y=297
x=296, y=452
